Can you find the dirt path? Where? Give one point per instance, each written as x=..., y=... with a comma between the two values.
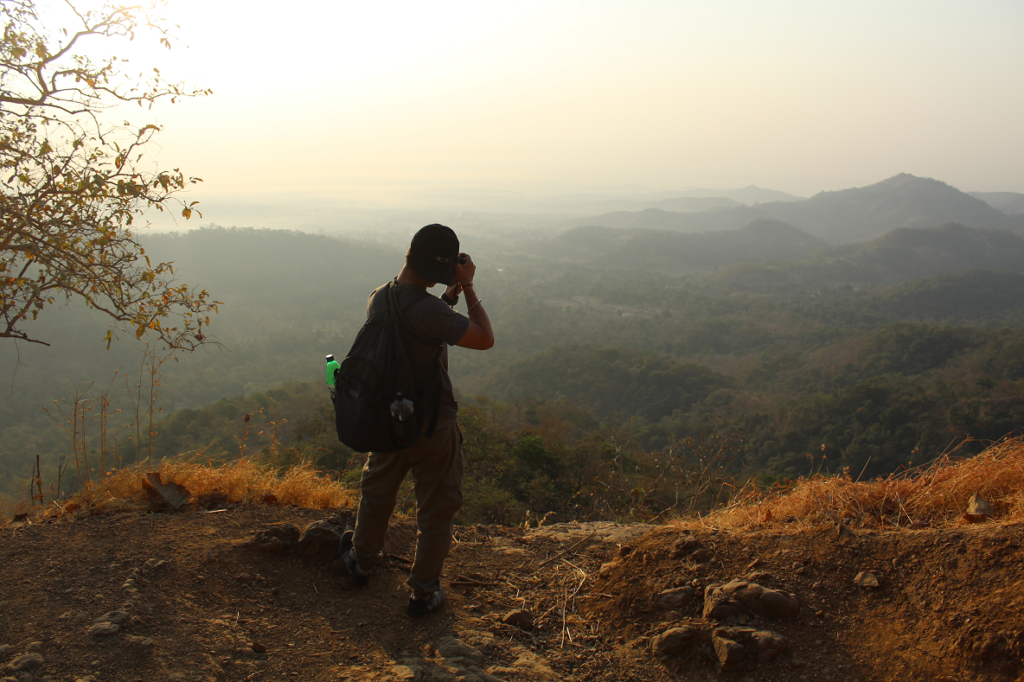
x=192, y=599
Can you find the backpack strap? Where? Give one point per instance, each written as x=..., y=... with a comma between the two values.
x=435, y=408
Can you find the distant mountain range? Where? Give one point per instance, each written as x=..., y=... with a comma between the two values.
x=758, y=242
x=903, y=255
x=842, y=217
x=1010, y=203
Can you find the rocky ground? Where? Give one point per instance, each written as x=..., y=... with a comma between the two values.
x=237, y=595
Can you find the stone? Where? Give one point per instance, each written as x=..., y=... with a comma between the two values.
x=451, y=647
x=674, y=641
x=26, y=663
x=103, y=629
x=742, y=597
x=141, y=642
x=520, y=618
x=4, y=648
x=762, y=645
x=34, y=646
x=153, y=565
x=865, y=579
x=244, y=578
x=683, y=547
x=843, y=531
x=405, y=672
x=277, y=539
x=676, y=598
x=730, y=653
x=320, y=539
x=115, y=617
x=978, y=509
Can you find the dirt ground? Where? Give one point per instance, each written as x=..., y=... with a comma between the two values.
x=187, y=597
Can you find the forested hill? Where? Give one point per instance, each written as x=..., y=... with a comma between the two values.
x=902, y=255
x=841, y=217
x=760, y=241
x=663, y=355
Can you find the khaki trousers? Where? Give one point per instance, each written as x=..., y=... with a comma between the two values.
x=436, y=465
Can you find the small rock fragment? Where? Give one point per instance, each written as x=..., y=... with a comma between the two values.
x=320, y=539
x=405, y=672
x=244, y=578
x=34, y=646
x=978, y=509
x=676, y=598
x=865, y=579
x=258, y=648
x=103, y=629
x=674, y=641
x=141, y=642
x=520, y=618
x=843, y=531
x=702, y=556
x=450, y=647
x=25, y=663
x=730, y=654
x=115, y=617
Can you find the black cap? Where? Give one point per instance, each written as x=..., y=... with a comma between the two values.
x=433, y=253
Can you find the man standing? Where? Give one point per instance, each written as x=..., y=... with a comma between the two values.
x=436, y=458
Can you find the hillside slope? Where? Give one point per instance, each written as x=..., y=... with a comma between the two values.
x=191, y=597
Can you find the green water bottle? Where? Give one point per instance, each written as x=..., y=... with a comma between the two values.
x=332, y=366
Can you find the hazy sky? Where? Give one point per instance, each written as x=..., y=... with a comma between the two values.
x=382, y=101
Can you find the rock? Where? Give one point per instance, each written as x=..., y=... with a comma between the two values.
x=26, y=663
x=141, y=642
x=87, y=678
x=763, y=645
x=270, y=546
x=520, y=618
x=702, y=556
x=675, y=641
x=865, y=579
x=276, y=539
x=843, y=531
x=978, y=509
x=320, y=539
x=103, y=629
x=244, y=578
x=741, y=597
x=535, y=668
x=450, y=647
x=683, y=547
x=731, y=654
x=405, y=672
x=34, y=646
x=153, y=565
x=4, y=648
x=676, y=598
x=115, y=617
x=258, y=647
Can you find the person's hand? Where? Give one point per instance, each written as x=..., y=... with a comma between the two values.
x=464, y=272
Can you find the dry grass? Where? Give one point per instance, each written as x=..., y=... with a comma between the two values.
x=242, y=480
x=936, y=495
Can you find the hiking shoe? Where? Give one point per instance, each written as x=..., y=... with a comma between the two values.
x=418, y=608
x=359, y=579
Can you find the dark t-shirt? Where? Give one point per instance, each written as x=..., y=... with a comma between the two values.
x=433, y=319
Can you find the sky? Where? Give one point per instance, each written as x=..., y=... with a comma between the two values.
x=389, y=103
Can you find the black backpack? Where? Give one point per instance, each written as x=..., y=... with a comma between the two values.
x=375, y=386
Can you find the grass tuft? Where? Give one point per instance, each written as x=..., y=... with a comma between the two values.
x=933, y=496
x=242, y=480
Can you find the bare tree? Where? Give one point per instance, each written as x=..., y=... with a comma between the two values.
x=72, y=186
